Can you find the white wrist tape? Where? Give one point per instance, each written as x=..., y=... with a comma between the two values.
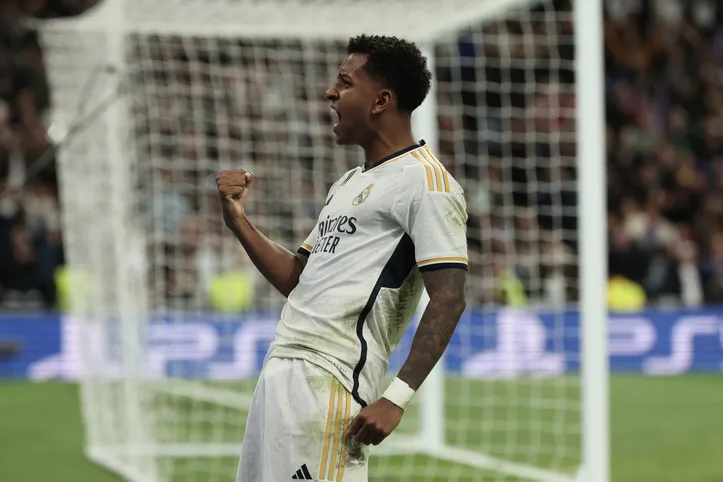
x=399, y=393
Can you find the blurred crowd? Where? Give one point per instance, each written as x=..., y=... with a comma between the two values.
x=506, y=117
x=30, y=234
x=665, y=151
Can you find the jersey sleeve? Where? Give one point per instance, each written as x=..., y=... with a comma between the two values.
x=435, y=220
x=308, y=244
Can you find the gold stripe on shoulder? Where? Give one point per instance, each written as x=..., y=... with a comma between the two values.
x=436, y=167
x=430, y=182
x=434, y=159
x=307, y=247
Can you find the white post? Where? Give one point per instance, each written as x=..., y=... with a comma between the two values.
x=588, y=24
x=129, y=279
x=431, y=394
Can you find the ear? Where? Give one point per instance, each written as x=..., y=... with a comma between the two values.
x=383, y=101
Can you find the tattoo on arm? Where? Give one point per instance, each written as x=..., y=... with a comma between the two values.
x=446, y=293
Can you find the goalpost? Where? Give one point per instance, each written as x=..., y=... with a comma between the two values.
x=171, y=319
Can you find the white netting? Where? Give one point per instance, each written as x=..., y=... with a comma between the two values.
x=251, y=95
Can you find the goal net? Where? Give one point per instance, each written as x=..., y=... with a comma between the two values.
x=153, y=98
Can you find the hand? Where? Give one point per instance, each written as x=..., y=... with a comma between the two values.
x=233, y=189
x=375, y=422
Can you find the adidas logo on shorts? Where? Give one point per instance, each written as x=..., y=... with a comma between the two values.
x=302, y=474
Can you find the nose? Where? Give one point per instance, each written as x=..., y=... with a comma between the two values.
x=332, y=94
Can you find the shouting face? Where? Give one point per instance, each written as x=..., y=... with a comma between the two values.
x=355, y=98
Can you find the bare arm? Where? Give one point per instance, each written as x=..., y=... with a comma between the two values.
x=440, y=318
x=278, y=265
x=446, y=292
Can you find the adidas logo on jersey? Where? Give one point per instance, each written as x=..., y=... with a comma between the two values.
x=302, y=474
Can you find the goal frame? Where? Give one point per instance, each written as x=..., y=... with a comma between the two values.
x=592, y=232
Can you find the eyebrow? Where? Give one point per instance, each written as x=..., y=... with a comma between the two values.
x=343, y=76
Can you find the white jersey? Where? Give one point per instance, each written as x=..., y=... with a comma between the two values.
x=380, y=227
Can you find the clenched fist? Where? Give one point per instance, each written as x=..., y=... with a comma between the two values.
x=375, y=422
x=233, y=189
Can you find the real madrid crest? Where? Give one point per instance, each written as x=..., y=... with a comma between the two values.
x=363, y=195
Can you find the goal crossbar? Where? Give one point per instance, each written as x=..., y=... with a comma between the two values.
x=258, y=20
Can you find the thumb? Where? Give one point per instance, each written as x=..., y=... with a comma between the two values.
x=355, y=425
x=249, y=176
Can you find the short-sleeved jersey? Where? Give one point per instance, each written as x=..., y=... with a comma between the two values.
x=379, y=229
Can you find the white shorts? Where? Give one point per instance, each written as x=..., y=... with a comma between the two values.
x=296, y=425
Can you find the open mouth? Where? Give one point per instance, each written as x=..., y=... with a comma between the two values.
x=338, y=116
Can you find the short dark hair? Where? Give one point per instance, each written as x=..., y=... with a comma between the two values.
x=398, y=64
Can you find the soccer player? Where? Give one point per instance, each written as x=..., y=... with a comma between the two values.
x=388, y=229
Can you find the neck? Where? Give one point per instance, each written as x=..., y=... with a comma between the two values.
x=388, y=140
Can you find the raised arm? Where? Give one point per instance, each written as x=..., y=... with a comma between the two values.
x=279, y=266
x=439, y=320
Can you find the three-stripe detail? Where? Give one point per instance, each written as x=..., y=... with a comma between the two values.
x=333, y=453
x=437, y=175
x=302, y=474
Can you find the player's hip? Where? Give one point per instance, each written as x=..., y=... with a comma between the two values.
x=359, y=371
x=297, y=422
x=303, y=361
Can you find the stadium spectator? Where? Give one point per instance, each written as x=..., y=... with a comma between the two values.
x=30, y=242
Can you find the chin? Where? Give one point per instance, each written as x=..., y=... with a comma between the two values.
x=341, y=140
x=344, y=136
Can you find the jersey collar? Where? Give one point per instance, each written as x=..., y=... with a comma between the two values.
x=394, y=156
